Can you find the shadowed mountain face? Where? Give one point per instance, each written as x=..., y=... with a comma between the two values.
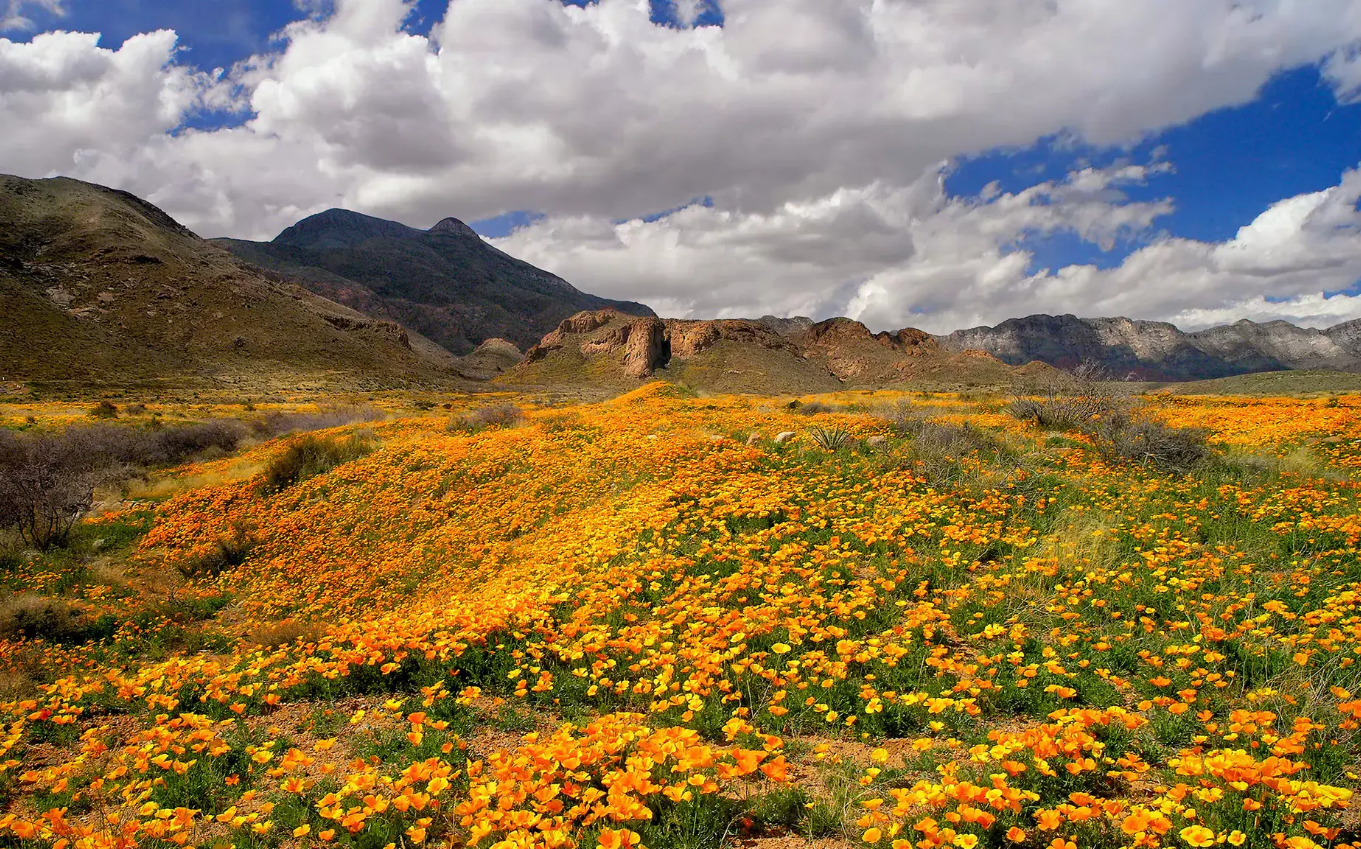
x=445, y=282
x=98, y=285
x=1155, y=350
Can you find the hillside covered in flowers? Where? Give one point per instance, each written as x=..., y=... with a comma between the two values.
x=912, y=621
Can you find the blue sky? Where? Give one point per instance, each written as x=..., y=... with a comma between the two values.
x=741, y=246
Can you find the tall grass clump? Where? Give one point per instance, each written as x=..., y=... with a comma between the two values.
x=314, y=455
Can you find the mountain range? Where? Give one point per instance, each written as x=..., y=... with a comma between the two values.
x=1158, y=351
x=99, y=286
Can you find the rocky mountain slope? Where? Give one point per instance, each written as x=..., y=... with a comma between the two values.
x=97, y=285
x=445, y=283
x=1154, y=350
x=778, y=356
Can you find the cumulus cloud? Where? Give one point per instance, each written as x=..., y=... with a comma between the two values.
x=808, y=123
x=13, y=18
x=914, y=256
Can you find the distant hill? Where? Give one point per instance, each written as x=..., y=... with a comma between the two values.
x=445, y=283
x=99, y=286
x=767, y=355
x=1158, y=351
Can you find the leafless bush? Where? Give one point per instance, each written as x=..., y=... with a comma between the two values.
x=1070, y=401
x=497, y=415
x=44, y=488
x=47, y=480
x=813, y=408
x=1151, y=443
x=278, y=424
x=946, y=453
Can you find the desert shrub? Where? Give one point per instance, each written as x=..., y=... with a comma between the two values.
x=44, y=488
x=35, y=617
x=104, y=410
x=1070, y=401
x=830, y=437
x=279, y=424
x=813, y=408
x=497, y=415
x=946, y=453
x=312, y=456
x=1151, y=443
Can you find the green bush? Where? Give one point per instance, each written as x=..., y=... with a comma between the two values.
x=104, y=410
x=312, y=456
x=227, y=553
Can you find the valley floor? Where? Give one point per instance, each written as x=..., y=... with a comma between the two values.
x=919, y=622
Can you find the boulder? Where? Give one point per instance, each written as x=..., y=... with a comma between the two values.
x=783, y=437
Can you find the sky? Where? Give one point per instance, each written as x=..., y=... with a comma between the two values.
x=931, y=163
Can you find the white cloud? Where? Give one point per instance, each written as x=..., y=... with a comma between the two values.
x=916, y=257
x=13, y=18
x=808, y=122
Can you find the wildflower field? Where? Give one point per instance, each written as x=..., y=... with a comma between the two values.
x=644, y=622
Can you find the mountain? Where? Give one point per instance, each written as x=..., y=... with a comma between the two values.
x=1155, y=350
x=767, y=355
x=97, y=285
x=445, y=283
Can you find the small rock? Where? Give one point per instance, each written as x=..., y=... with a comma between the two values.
x=782, y=438
x=876, y=442
x=754, y=439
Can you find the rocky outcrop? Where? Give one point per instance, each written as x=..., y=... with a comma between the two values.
x=639, y=344
x=1347, y=336
x=692, y=338
x=1155, y=350
x=735, y=355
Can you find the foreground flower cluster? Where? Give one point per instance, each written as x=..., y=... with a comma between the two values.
x=626, y=624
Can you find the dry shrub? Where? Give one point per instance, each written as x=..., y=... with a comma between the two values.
x=950, y=454
x=279, y=424
x=45, y=486
x=1070, y=401
x=104, y=410
x=1149, y=442
x=497, y=415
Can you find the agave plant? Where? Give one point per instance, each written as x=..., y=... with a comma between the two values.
x=829, y=437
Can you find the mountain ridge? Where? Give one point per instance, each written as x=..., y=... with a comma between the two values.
x=99, y=285
x=446, y=283
x=1159, y=350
